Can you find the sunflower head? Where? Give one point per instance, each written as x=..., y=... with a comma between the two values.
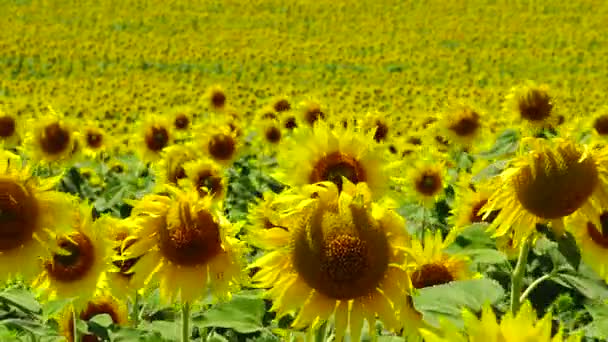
x=207, y=178
x=10, y=129
x=52, y=138
x=155, y=135
x=98, y=305
x=311, y=112
x=171, y=168
x=532, y=105
x=461, y=124
x=216, y=97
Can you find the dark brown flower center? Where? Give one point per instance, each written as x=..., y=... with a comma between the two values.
x=429, y=183
x=222, y=147
x=381, y=131
x=54, y=139
x=282, y=105
x=291, y=123
x=535, y=105
x=7, y=126
x=94, y=139
x=557, y=184
x=272, y=134
x=195, y=241
x=18, y=214
x=467, y=123
x=176, y=173
x=336, y=165
x=93, y=309
x=475, y=215
x=431, y=275
x=339, y=258
x=157, y=138
x=76, y=260
x=181, y=121
x=208, y=182
x=313, y=114
x=218, y=99
x=600, y=236
x=601, y=125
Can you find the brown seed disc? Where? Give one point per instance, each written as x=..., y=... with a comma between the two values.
x=7, y=126
x=157, y=138
x=54, y=139
x=222, y=147
x=381, y=131
x=313, y=114
x=218, y=99
x=476, y=217
x=94, y=139
x=336, y=165
x=19, y=214
x=601, y=125
x=194, y=242
x=430, y=275
x=559, y=185
x=535, y=105
x=181, y=121
x=342, y=261
x=76, y=263
x=429, y=183
x=272, y=134
x=290, y=123
x=466, y=125
x=282, y=105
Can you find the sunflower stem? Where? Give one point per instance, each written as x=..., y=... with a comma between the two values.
x=75, y=328
x=533, y=286
x=135, y=312
x=517, y=277
x=185, y=322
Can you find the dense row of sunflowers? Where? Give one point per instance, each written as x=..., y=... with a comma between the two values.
x=332, y=244
x=329, y=247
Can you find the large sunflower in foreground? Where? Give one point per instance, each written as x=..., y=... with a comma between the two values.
x=524, y=326
x=555, y=180
x=29, y=211
x=324, y=154
x=185, y=244
x=333, y=253
x=77, y=261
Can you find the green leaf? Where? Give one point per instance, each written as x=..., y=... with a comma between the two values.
x=506, y=143
x=598, y=328
x=586, y=282
x=168, y=330
x=215, y=337
x=569, y=249
x=485, y=256
x=53, y=307
x=243, y=313
x=448, y=300
x=21, y=299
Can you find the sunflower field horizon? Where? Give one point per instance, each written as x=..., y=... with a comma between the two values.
x=303, y=170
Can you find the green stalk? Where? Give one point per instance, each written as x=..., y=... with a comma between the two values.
x=517, y=277
x=185, y=322
x=135, y=312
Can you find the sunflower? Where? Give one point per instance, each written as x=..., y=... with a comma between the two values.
x=470, y=198
x=29, y=212
x=218, y=140
x=182, y=118
x=555, y=180
x=206, y=177
x=185, y=243
x=462, y=125
x=532, y=106
x=216, y=97
x=426, y=179
x=52, y=138
x=592, y=238
x=429, y=264
x=379, y=123
x=102, y=303
x=281, y=104
x=311, y=112
x=154, y=136
x=323, y=154
x=332, y=253
x=524, y=326
x=11, y=129
x=94, y=141
x=77, y=261
x=171, y=168
x=270, y=133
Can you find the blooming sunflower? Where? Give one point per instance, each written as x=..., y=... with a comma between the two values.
x=94, y=140
x=555, y=180
x=470, y=199
x=524, y=326
x=29, y=212
x=532, y=106
x=11, y=129
x=324, y=154
x=379, y=123
x=102, y=303
x=311, y=112
x=462, y=125
x=185, y=243
x=216, y=97
x=77, y=262
x=218, y=140
x=52, y=138
x=333, y=253
x=171, y=168
x=206, y=177
x=154, y=136
x=425, y=180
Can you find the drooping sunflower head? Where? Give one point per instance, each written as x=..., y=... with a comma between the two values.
x=102, y=303
x=332, y=251
x=429, y=264
x=533, y=106
x=336, y=155
x=52, y=138
x=186, y=244
x=29, y=210
x=206, y=177
x=76, y=262
x=171, y=168
x=155, y=135
x=554, y=180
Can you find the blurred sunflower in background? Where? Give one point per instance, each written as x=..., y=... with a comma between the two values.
x=332, y=253
x=206, y=177
x=11, y=129
x=155, y=134
x=532, y=106
x=52, y=138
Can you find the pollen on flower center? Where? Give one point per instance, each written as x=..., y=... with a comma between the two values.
x=18, y=215
x=430, y=275
x=7, y=126
x=54, y=139
x=157, y=138
x=222, y=147
x=557, y=184
x=76, y=262
x=192, y=240
x=342, y=258
x=336, y=165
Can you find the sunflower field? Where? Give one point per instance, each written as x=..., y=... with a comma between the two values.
x=306, y=170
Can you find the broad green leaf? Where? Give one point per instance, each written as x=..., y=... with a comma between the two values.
x=598, y=328
x=54, y=307
x=485, y=256
x=167, y=330
x=215, y=337
x=587, y=283
x=506, y=143
x=21, y=299
x=243, y=313
x=569, y=249
x=448, y=300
